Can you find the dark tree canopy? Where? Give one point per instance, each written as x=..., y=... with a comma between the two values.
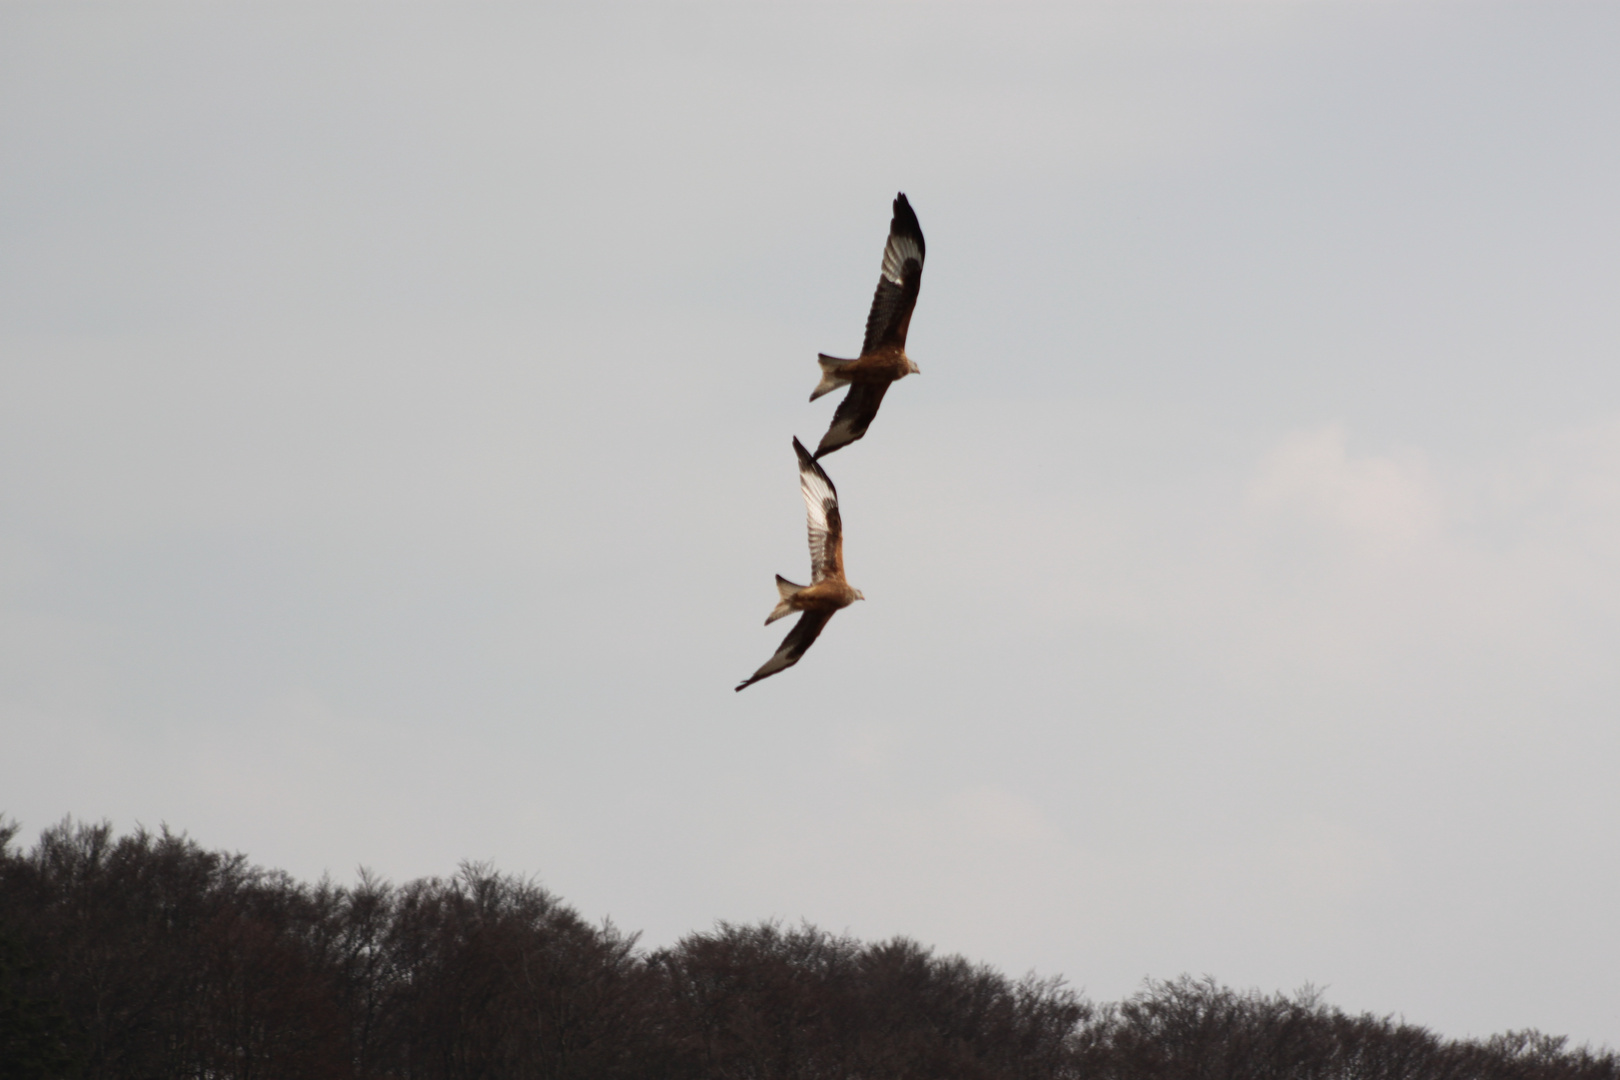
x=146, y=956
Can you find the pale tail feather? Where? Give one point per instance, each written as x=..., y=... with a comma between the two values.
x=830, y=379
x=786, y=589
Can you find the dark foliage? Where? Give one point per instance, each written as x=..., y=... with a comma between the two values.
x=34, y=1032
x=147, y=956
x=1201, y=1031
x=758, y=1001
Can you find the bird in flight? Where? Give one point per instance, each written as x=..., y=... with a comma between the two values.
x=883, y=357
x=828, y=591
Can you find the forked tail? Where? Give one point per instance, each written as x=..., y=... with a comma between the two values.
x=786, y=590
x=830, y=379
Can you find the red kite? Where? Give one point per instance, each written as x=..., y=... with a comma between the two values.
x=827, y=591
x=883, y=357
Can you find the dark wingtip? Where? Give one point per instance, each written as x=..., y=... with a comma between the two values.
x=823, y=450
x=905, y=221
x=807, y=458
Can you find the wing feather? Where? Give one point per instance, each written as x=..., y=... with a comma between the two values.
x=896, y=296
x=821, y=512
x=798, y=640
x=855, y=414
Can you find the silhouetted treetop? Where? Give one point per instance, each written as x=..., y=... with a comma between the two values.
x=147, y=956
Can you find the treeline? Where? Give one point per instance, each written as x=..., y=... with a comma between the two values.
x=145, y=956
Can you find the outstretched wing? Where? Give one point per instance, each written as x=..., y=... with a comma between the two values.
x=854, y=416
x=799, y=639
x=902, y=276
x=821, y=508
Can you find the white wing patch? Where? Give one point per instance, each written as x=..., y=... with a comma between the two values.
x=817, y=498
x=895, y=254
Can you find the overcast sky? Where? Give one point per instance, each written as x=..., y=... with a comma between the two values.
x=395, y=418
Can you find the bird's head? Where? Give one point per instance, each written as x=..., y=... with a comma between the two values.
x=859, y=595
x=911, y=367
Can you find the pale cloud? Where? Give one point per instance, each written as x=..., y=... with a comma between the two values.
x=1331, y=862
x=871, y=748
x=1348, y=563
x=995, y=817
x=1386, y=505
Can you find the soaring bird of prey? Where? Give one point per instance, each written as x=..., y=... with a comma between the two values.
x=883, y=357
x=827, y=591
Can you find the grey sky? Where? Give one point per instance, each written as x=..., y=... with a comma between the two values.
x=395, y=406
